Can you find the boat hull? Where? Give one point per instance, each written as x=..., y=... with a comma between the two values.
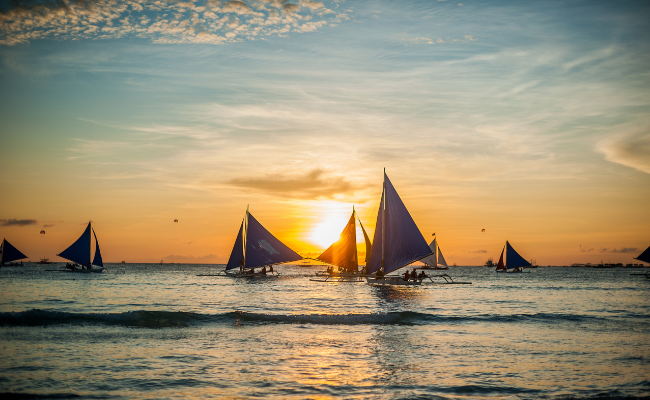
x=238, y=274
x=392, y=281
x=84, y=271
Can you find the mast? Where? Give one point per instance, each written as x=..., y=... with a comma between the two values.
x=383, y=223
x=245, y=234
x=90, y=245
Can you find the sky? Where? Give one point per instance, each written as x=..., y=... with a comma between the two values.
x=528, y=120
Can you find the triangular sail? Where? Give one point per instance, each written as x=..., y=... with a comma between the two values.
x=9, y=253
x=97, y=260
x=79, y=251
x=513, y=259
x=237, y=255
x=402, y=241
x=343, y=253
x=368, y=244
x=441, y=258
x=431, y=260
x=645, y=256
x=263, y=249
x=501, y=266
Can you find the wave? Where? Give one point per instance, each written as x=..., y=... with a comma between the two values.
x=181, y=319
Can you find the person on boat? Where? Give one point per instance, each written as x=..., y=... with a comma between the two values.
x=271, y=269
x=422, y=275
x=241, y=266
x=414, y=274
x=407, y=276
x=263, y=270
x=380, y=273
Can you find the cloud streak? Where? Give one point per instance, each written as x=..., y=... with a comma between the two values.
x=17, y=222
x=312, y=185
x=631, y=148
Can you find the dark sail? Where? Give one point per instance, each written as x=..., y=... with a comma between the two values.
x=9, y=253
x=343, y=253
x=501, y=266
x=513, y=259
x=262, y=248
x=402, y=241
x=79, y=251
x=97, y=260
x=368, y=244
x=237, y=254
x=645, y=256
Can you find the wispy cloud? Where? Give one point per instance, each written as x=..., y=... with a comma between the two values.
x=631, y=148
x=621, y=250
x=163, y=22
x=17, y=222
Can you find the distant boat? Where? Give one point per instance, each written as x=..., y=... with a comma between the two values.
x=435, y=260
x=9, y=253
x=343, y=254
x=489, y=263
x=255, y=247
x=397, y=242
x=514, y=262
x=79, y=253
x=45, y=261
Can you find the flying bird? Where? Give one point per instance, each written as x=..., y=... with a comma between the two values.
x=175, y=220
x=482, y=230
x=42, y=232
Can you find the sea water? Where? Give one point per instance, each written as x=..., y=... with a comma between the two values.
x=161, y=331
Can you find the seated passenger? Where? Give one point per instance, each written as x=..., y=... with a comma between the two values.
x=407, y=276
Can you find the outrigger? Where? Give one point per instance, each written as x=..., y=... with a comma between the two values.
x=256, y=248
x=397, y=243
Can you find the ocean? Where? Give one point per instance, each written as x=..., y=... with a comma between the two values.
x=144, y=331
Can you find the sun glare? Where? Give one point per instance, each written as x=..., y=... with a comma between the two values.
x=334, y=217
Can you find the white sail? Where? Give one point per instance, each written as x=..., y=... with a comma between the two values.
x=432, y=260
x=441, y=259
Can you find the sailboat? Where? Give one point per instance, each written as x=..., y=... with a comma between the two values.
x=9, y=253
x=397, y=241
x=79, y=253
x=255, y=247
x=645, y=256
x=435, y=260
x=343, y=254
x=514, y=262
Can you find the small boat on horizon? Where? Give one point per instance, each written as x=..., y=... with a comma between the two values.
x=79, y=253
x=514, y=262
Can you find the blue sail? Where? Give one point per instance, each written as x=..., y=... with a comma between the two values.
x=402, y=241
x=97, y=260
x=79, y=251
x=645, y=256
x=237, y=254
x=9, y=253
x=262, y=248
x=513, y=259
